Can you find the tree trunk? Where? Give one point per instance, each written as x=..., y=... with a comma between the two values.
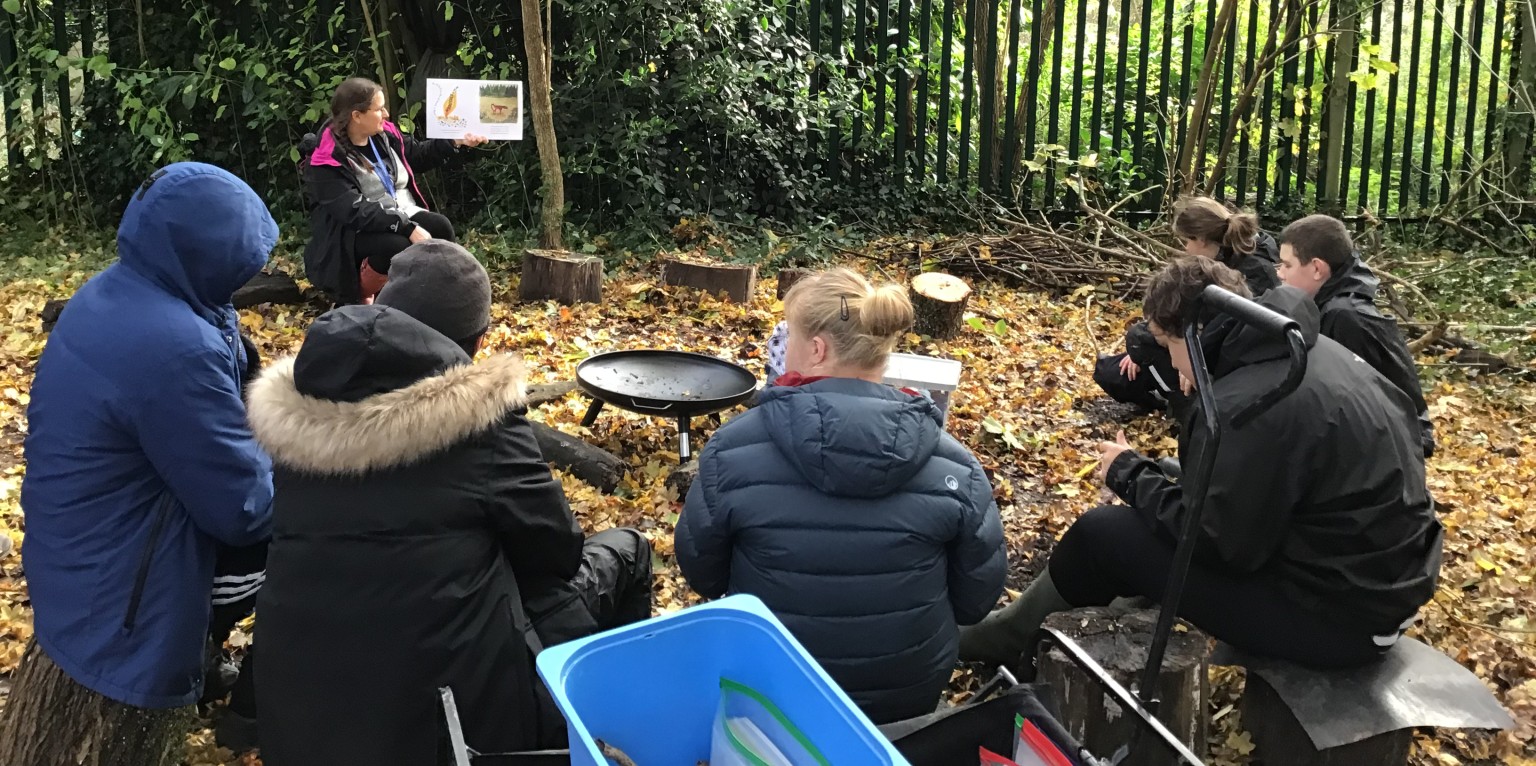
x=1521, y=122
x=1200, y=116
x=788, y=278
x=386, y=77
x=1118, y=641
x=1046, y=24
x=1346, y=18
x=562, y=277
x=1262, y=72
x=552, y=196
x=50, y=720
x=938, y=300
x=1280, y=740
x=737, y=282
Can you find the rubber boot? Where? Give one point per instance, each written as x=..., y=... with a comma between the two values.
x=1008, y=636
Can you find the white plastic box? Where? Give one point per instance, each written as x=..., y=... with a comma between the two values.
x=936, y=377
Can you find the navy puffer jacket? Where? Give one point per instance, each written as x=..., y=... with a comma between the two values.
x=870, y=532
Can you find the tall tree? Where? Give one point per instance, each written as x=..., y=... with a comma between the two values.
x=1331, y=181
x=1522, y=116
x=552, y=197
x=1200, y=117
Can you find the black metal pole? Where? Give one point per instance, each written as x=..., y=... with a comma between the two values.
x=1194, y=503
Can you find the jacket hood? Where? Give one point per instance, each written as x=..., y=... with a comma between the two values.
x=1238, y=345
x=1355, y=278
x=851, y=438
x=198, y=232
x=373, y=389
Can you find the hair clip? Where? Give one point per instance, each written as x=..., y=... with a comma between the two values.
x=843, y=313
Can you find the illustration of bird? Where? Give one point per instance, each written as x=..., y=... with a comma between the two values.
x=450, y=103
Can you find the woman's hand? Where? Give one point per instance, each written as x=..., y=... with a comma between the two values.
x=1108, y=451
x=471, y=140
x=1129, y=368
x=420, y=234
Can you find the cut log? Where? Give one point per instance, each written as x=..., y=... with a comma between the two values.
x=593, y=465
x=51, y=720
x=51, y=311
x=788, y=278
x=544, y=393
x=1280, y=740
x=268, y=287
x=736, y=281
x=938, y=300
x=682, y=478
x=560, y=276
x=1118, y=640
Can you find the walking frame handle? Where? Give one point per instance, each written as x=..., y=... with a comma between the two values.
x=1269, y=322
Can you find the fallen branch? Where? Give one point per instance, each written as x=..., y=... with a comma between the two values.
x=1427, y=339
x=544, y=393
x=593, y=465
x=1093, y=340
x=1469, y=232
x=1520, y=328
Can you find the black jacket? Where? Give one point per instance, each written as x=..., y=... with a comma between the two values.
x=1259, y=268
x=1349, y=316
x=411, y=501
x=338, y=208
x=1324, y=492
x=869, y=531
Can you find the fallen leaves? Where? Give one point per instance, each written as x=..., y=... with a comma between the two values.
x=1026, y=406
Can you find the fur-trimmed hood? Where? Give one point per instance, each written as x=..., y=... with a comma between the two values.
x=385, y=430
x=373, y=389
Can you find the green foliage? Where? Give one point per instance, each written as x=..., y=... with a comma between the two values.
x=713, y=107
x=216, y=91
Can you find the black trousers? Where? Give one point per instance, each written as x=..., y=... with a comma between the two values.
x=1153, y=388
x=238, y=574
x=380, y=247
x=1110, y=552
x=615, y=577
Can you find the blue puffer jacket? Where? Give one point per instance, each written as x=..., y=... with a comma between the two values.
x=138, y=457
x=869, y=531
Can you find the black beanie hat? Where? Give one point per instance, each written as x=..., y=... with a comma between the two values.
x=442, y=286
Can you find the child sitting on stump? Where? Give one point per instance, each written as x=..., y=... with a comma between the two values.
x=1318, y=541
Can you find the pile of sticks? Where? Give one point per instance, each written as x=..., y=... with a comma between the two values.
x=1096, y=249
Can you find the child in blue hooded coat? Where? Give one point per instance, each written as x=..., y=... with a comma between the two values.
x=139, y=465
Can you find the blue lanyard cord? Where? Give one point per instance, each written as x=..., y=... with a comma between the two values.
x=382, y=168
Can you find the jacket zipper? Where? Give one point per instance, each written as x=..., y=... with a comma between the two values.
x=156, y=528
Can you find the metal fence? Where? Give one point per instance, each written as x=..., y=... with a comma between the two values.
x=1009, y=96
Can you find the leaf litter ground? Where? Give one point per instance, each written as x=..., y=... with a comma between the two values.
x=1027, y=407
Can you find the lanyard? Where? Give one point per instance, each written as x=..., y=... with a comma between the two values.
x=382, y=168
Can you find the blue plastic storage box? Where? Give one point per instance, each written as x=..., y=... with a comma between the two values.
x=652, y=688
